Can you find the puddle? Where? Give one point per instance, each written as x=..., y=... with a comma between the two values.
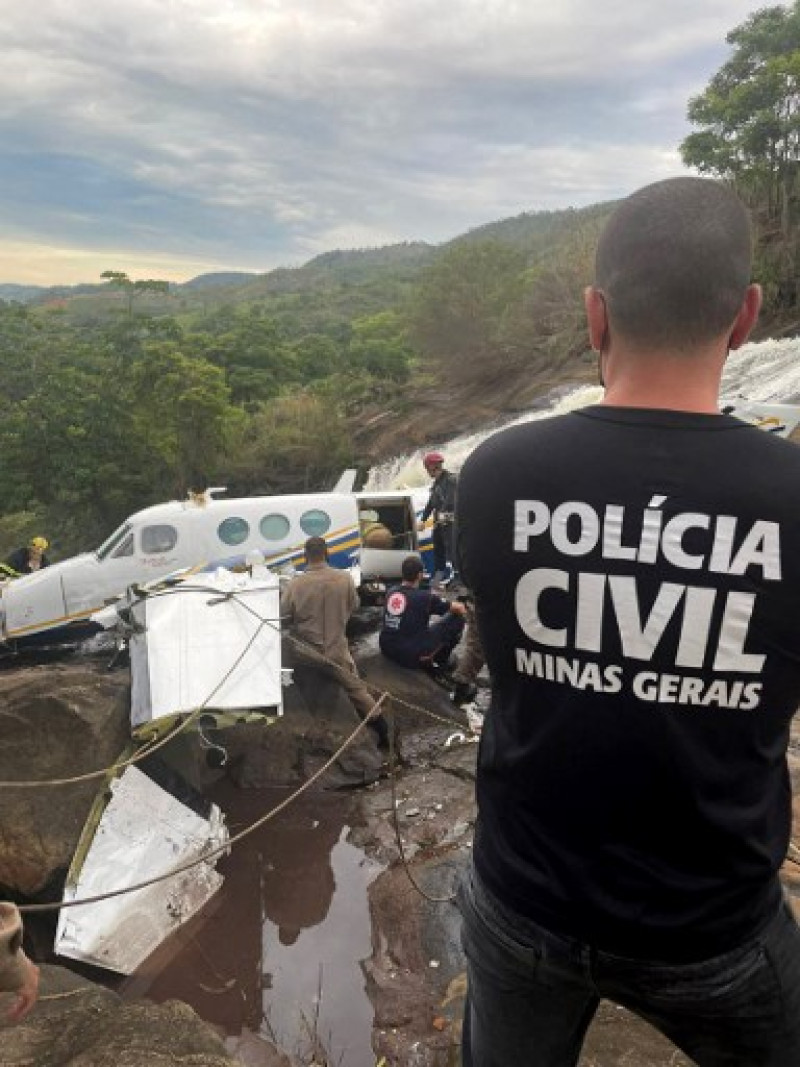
x=277, y=951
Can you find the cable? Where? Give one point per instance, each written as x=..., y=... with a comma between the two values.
x=114, y=769
x=220, y=849
x=396, y=823
x=151, y=747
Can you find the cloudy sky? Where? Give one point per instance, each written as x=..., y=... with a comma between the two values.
x=170, y=137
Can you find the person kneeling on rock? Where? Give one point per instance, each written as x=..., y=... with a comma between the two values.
x=408, y=637
x=17, y=974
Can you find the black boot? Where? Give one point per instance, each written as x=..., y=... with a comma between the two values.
x=464, y=693
x=381, y=728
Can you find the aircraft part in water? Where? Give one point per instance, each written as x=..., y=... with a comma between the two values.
x=766, y=372
x=278, y=951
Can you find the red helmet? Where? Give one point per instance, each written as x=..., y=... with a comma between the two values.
x=432, y=459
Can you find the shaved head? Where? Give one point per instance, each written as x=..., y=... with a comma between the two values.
x=673, y=263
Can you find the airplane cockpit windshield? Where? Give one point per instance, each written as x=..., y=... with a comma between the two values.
x=108, y=546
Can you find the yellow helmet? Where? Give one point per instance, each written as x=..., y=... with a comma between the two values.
x=41, y=543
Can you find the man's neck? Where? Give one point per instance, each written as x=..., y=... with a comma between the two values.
x=676, y=382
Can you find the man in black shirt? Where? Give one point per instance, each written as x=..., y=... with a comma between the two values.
x=408, y=637
x=636, y=569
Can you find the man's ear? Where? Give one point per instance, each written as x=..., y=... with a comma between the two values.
x=596, y=317
x=747, y=317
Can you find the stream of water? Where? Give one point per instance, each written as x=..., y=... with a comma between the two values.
x=763, y=372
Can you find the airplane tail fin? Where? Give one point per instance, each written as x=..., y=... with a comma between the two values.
x=347, y=481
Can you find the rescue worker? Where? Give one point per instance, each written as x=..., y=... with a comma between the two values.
x=407, y=636
x=18, y=975
x=29, y=558
x=316, y=604
x=471, y=661
x=441, y=505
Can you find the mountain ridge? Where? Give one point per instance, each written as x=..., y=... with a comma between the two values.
x=352, y=265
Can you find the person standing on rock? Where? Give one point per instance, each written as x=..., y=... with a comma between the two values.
x=441, y=505
x=17, y=974
x=471, y=660
x=636, y=570
x=316, y=605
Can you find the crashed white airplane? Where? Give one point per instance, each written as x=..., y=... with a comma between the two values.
x=369, y=531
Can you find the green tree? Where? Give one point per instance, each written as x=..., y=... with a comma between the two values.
x=749, y=115
x=74, y=452
x=380, y=346
x=463, y=301
x=185, y=421
x=749, y=134
x=250, y=349
x=118, y=279
x=297, y=442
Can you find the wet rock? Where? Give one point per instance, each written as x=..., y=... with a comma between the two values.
x=252, y=1050
x=416, y=700
x=317, y=720
x=78, y=1024
x=56, y=722
x=442, y=793
x=404, y=989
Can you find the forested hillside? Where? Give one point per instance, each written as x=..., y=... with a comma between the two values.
x=136, y=391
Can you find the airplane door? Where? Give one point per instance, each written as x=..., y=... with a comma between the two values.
x=34, y=602
x=388, y=530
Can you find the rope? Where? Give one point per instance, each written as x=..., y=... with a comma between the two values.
x=208, y=856
x=398, y=838
x=220, y=849
x=151, y=747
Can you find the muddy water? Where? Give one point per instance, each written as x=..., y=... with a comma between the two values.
x=277, y=951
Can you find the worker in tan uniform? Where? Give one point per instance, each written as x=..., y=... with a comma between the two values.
x=17, y=974
x=316, y=604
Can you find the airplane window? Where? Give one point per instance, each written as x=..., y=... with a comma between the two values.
x=108, y=546
x=233, y=531
x=274, y=527
x=125, y=548
x=158, y=539
x=315, y=522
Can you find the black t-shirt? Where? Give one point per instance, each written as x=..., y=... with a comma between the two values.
x=637, y=583
x=408, y=611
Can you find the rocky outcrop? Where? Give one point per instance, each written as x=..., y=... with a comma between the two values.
x=318, y=717
x=56, y=722
x=416, y=975
x=432, y=414
x=78, y=1024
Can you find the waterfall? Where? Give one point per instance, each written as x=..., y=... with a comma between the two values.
x=764, y=372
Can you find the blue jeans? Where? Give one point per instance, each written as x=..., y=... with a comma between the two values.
x=532, y=994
